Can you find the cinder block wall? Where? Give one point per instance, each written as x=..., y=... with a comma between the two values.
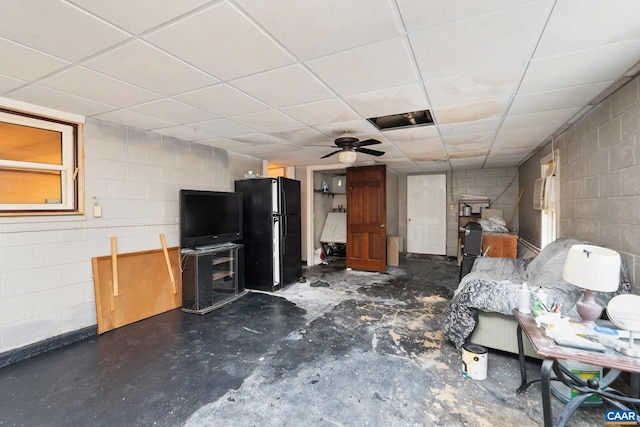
x=599, y=178
x=46, y=283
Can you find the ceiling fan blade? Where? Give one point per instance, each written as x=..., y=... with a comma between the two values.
x=330, y=154
x=369, y=142
x=369, y=151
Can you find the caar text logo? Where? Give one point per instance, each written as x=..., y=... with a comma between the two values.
x=621, y=417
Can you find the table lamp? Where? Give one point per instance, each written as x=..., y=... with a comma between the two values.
x=593, y=269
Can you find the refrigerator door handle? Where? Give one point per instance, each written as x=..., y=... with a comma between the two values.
x=283, y=231
x=283, y=200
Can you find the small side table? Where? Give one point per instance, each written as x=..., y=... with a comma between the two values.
x=552, y=353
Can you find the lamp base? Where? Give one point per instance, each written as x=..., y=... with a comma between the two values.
x=588, y=309
x=629, y=349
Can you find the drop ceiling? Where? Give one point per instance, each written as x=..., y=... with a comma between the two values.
x=281, y=79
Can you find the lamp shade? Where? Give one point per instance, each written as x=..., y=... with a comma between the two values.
x=347, y=156
x=593, y=268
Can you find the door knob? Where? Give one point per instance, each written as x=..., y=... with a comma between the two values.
x=381, y=225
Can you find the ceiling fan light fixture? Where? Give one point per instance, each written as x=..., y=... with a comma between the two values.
x=347, y=156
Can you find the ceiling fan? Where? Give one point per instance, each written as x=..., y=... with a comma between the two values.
x=348, y=146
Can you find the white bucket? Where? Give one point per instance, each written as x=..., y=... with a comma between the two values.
x=474, y=362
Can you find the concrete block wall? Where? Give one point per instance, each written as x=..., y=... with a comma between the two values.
x=46, y=283
x=600, y=179
x=499, y=185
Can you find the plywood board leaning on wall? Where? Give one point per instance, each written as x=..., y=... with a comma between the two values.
x=143, y=285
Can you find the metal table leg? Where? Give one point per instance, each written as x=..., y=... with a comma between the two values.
x=523, y=366
x=545, y=389
x=524, y=384
x=585, y=389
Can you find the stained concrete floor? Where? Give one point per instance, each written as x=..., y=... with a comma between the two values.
x=364, y=350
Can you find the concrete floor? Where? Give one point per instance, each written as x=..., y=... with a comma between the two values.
x=364, y=350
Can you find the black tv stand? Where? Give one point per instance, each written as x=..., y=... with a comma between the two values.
x=212, y=277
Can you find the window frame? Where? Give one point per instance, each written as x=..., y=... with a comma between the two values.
x=70, y=168
x=550, y=166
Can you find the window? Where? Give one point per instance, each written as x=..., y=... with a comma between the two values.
x=39, y=164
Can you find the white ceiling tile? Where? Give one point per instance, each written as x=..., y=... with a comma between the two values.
x=510, y=151
x=301, y=87
x=557, y=100
x=50, y=98
x=170, y=110
x=222, y=100
x=426, y=156
x=300, y=135
x=224, y=143
x=395, y=100
x=467, y=163
x=444, y=166
x=257, y=149
x=585, y=24
x=141, y=64
x=419, y=14
x=98, y=87
x=327, y=26
x=406, y=167
x=471, y=112
x=368, y=68
x=503, y=161
x=296, y=158
x=315, y=113
x=259, y=139
x=580, y=68
x=131, y=118
x=26, y=63
x=138, y=15
x=411, y=134
x=355, y=59
x=470, y=128
x=224, y=128
x=57, y=28
x=432, y=148
x=235, y=47
x=514, y=146
x=523, y=136
x=355, y=128
x=542, y=119
x=184, y=132
x=481, y=84
x=480, y=42
x=7, y=84
x=465, y=143
x=267, y=121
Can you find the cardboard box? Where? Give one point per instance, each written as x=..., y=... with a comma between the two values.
x=394, y=247
x=582, y=370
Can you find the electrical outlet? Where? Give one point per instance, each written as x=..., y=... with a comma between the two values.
x=97, y=211
x=452, y=208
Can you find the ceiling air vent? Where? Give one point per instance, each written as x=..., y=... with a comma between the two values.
x=403, y=120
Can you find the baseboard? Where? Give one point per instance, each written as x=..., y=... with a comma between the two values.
x=31, y=350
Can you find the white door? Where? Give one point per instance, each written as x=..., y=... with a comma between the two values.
x=427, y=214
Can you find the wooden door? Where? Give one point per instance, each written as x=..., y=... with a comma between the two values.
x=427, y=214
x=366, y=218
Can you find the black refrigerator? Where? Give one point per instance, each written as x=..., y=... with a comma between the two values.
x=272, y=232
